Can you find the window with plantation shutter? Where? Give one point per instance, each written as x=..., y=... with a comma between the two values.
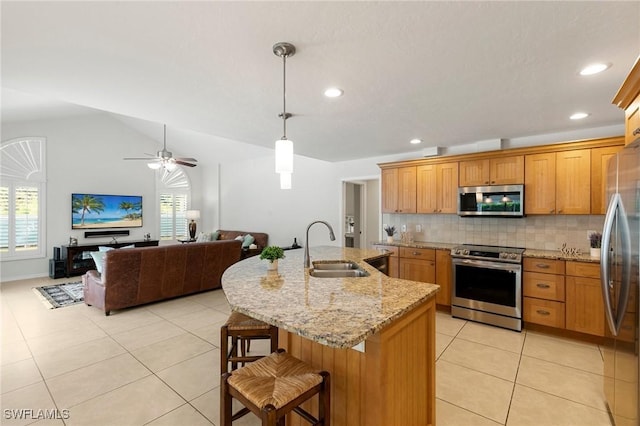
x=22, y=194
x=174, y=203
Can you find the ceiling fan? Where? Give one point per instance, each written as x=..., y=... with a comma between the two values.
x=165, y=158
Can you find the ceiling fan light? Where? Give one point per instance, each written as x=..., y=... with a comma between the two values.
x=284, y=156
x=285, y=180
x=154, y=165
x=170, y=165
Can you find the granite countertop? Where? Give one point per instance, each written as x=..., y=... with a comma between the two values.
x=542, y=254
x=337, y=312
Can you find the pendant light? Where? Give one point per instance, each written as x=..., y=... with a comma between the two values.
x=284, y=147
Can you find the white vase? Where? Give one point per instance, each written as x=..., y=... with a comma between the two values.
x=272, y=266
x=389, y=238
x=595, y=252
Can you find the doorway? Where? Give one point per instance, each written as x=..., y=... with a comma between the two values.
x=360, y=212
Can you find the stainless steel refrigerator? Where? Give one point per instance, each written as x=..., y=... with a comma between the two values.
x=620, y=258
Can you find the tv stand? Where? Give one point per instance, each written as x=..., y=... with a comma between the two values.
x=77, y=263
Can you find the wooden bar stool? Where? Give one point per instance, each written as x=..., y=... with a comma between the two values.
x=274, y=386
x=242, y=329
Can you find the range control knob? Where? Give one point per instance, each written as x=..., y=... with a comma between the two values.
x=513, y=256
x=465, y=252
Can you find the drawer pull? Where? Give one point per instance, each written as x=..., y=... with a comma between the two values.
x=541, y=285
x=542, y=266
x=636, y=131
x=416, y=253
x=541, y=312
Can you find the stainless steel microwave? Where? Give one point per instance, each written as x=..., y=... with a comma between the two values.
x=491, y=200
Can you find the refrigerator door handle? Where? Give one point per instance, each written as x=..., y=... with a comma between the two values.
x=616, y=209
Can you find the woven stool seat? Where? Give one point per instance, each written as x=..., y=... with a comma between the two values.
x=277, y=380
x=238, y=322
x=274, y=386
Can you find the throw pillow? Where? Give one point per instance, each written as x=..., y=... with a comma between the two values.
x=128, y=247
x=247, y=241
x=239, y=238
x=202, y=238
x=104, y=248
x=98, y=259
x=214, y=236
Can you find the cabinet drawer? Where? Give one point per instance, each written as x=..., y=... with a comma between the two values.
x=417, y=253
x=547, y=266
x=543, y=286
x=394, y=250
x=544, y=312
x=583, y=269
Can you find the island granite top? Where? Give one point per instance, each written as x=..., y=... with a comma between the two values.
x=337, y=312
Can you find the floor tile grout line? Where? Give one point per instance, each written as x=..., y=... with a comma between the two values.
x=515, y=379
x=469, y=411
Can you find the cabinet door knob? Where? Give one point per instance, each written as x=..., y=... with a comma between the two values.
x=552, y=210
x=542, y=285
x=636, y=131
x=559, y=211
x=544, y=313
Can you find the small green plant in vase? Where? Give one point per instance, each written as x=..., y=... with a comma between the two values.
x=390, y=230
x=272, y=254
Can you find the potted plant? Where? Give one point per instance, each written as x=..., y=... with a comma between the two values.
x=390, y=230
x=595, y=243
x=272, y=253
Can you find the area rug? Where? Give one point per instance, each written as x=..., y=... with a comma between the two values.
x=60, y=295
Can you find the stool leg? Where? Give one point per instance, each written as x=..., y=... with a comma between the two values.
x=234, y=349
x=225, y=401
x=274, y=339
x=224, y=350
x=324, y=414
x=268, y=416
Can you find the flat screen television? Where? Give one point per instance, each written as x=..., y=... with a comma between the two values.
x=99, y=211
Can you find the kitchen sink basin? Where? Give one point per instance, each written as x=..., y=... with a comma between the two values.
x=338, y=273
x=333, y=265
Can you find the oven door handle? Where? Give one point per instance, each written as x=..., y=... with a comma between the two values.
x=489, y=265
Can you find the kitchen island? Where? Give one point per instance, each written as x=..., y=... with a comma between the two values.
x=374, y=334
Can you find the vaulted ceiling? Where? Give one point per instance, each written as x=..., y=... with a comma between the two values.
x=449, y=73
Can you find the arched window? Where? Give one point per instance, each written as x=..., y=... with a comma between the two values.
x=174, y=195
x=22, y=198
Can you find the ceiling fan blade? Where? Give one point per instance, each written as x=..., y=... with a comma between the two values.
x=182, y=163
x=142, y=158
x=193, y=160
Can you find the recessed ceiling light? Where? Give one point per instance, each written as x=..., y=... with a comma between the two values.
x=415, y=141
x=333, y=92
x=579, y=115
x=594, y=69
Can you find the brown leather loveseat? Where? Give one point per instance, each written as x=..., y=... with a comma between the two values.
x=136, y=276
x=261, y=240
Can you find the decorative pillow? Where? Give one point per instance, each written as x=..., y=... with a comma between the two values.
x=239, y=238
x=214, y=236
x=247, y=241
x=202, y=238
x=128, y=247
x=104, y=248
x=98, y=259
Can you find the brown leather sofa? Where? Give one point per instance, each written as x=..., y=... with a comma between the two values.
x=261, y=240
x=136, y=276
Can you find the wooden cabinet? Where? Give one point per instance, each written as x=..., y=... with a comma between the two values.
x=543, y=283
x=418, y=264
x=443, y=277
x=628, y=98
x=584, y=304
x=558, y=182
x=493, y=171
x=78, y=260
x=393, y=264
x=399, y=190
x=599, y=162
x=437, y=188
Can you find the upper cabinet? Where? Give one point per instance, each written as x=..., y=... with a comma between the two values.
x=599, y=161
x=493, y=171
x=628, y=98
x=437, y=188
x=399, y=190
x=558, y=182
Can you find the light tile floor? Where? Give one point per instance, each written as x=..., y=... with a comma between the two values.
x=158, y=365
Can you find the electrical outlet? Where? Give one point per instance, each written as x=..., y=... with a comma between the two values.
x=404, y=228
x=418, y=228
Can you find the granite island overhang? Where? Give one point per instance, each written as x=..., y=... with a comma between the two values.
x=320, y=319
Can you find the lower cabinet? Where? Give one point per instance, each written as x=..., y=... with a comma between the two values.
x=443, y=277
x=585, y=307
x=418, y=264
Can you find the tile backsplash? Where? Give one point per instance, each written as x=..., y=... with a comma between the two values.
x=532, y=232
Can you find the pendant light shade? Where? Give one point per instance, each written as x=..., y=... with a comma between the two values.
x=285, y=180
x=284, y=156
x=284, y=147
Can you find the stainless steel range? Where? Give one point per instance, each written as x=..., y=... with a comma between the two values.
x=487, y=285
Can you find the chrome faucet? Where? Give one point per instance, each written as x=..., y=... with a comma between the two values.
x=307, y=259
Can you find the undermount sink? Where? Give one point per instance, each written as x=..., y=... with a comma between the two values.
x=337, y=269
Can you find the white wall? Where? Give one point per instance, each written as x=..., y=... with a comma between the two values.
x=84, y=154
